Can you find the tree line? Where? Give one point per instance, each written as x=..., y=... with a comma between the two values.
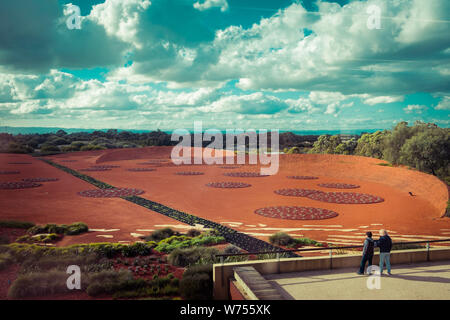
x=423, y=146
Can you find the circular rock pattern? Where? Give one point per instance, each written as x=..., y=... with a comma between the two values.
x=339, y=185
x=140, y=169
x=9, y=172
x=228, y=185
x=95, y=169
x=295, y=192
x=110, y=193
x=296, y=213
x=40, y=179
x=106, y=166
x=189, y=173
x=245, y=174
x=303, y=177
x=345, y=197
x=229, y=167
x=69, y=160
x=18, y=185
x=19, y=162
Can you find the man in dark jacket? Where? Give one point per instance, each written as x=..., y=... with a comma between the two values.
x=367, y=253
x=385, y=245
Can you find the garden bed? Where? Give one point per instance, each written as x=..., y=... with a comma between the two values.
x=245, y=174
x=345, y=197
x=296, y=213
x=339, y=185
x=228, y=185
x=296, y=192
x=111, y=193
x=19, y=162
x=105, y=166
x=18, y=185
x=303, y=177
x=40, y=179
x=189, y=173
x=140, y=169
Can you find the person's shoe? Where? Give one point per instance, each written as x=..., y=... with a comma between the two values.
x=389, y=274
x=360, y=273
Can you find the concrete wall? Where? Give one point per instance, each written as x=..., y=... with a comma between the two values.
x=223, y=273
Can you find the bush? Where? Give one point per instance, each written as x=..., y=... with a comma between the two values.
x=231, y=249
x=6, y=259
x=281, y=239
x=191, y=256
x=39, y=284
x=193, y=233
x=39, y=238
x=160, y=234
x=198, y=286
x=16, y=224
x=72, y=229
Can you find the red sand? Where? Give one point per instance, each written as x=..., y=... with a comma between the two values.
x=404, y=215
x=58, y=202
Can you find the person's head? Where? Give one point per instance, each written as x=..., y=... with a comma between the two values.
x=369, y=234
x=383, y=232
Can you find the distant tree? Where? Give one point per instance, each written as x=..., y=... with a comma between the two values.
x=326, y=144
x=372, y=144
x=346, y=147
x=428, y=151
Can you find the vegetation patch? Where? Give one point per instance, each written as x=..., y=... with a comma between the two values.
x=245, y=174
x=296, y=192
x=9, y=172
x=228, y=185
x=339, y=185
x=18, y=185
x=140, y=169
x=303, y=177
x=16, y=224
x=72, y=229
x=40, y=179
x=189, y=173
x=345, y=197
x=296, y=213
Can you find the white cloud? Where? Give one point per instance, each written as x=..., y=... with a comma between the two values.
x=208, y=4
x=414, y=108
x=444, y=104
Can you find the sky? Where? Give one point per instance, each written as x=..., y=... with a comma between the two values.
x=287, y=65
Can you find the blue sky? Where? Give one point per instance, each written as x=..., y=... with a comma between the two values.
x=288, y=65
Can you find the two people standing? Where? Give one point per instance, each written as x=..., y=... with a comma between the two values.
x=385, y=245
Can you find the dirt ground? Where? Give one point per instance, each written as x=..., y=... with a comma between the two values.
x=406, y=217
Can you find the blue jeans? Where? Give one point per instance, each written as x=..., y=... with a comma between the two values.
x=365, y=258
x=385, y=257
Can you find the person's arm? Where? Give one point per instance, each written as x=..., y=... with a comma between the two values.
x=366, y=244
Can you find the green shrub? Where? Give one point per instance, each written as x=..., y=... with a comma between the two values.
x=77, y=228
x=160, y=234
x=306, y=242
x=196, y=287
x=193, y=233
x=190, y=256
x=39, y=284
x=39, y=238
x=16, y=224
x=281, y=239
x=72, y=229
